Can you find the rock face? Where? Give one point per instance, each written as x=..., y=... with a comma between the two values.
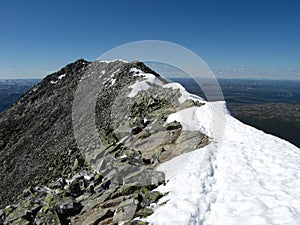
x=47, y=179
x=37, y=144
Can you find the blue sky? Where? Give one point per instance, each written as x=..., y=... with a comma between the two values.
x=246, y=38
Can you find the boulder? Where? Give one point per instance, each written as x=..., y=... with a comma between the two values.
x=125, y=211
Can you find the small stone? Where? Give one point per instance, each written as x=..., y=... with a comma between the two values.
x=136, y=130
x=69, y=208
x=151, y=197
x=173, y=125
x=76, y=187
x=142, y=213
x=136, y=222
x=143, y=134
x=107, y=221
x=75, y=165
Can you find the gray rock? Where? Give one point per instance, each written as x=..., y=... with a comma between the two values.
x=125, y=211
x=95, y=216
x=151, y=197
x=20, y=221
x=136, y=222
x=173, y=125
x=25, y=210
x=68, y=208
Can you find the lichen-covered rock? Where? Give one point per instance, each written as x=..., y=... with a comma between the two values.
x=47, y=216
x=190, y=103
x=25, y=210
x=151, y=197
x=144, y=212
x=21, y=221
x=136, y=222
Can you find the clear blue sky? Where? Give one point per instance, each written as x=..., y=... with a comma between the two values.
x=234, y=37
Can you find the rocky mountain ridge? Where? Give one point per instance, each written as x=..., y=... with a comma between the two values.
x=48, y=179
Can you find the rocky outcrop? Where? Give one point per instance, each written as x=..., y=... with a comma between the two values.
x=87, y=198
x=48, y=180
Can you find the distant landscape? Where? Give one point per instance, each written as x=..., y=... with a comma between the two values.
x=269, y=105
x=12, y=90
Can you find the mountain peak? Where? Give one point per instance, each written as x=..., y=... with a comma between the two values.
x=41, y=143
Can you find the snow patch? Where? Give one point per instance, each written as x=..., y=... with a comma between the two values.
x=61, y=76
x=113, y=80
x=111, y=61
x=194, y=119
x=142, y=85
x=184, y=94
x=136, y=71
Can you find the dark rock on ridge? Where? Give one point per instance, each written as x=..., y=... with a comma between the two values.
x=37, y=134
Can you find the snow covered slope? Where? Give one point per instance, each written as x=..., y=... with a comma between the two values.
x=250, y=178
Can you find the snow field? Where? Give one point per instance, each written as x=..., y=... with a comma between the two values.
x=243, y=176
x=252, y=178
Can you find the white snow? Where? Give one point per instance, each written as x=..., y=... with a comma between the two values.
x=113, y=81
x=194, y=118
x=53, y=82
x=150, y=78
x=61, y=76
x=184, y=94
x=110, y=61
x=252, y=178
x=142, y=85
x=136, y=71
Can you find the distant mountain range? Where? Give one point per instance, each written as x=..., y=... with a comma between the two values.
x=12, y=90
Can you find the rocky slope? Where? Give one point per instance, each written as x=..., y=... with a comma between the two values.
x=49, y=177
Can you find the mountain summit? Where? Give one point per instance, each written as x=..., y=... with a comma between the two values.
x=113, y=142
